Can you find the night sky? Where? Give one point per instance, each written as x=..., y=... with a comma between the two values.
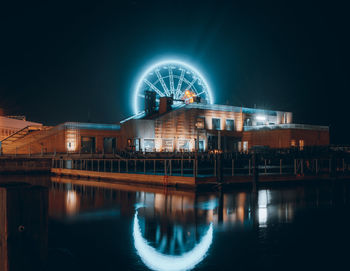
x=78, y=61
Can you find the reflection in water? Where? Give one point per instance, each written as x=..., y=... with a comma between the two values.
x=23, y=226
x=71, y=202
x=177, y=232
x=262, y=207
x=169, y=230
x=173, y=230
x=158, y=261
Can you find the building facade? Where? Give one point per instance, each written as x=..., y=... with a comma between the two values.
x=206, y=127
x=179, y=128
x=11, y=125
x=69, y=137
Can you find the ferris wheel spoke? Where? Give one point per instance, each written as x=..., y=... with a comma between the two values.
x=153, y=87
x=191, y=84
x=178, y=89
x=160, y=78
x=171, y=79
x=200, y=93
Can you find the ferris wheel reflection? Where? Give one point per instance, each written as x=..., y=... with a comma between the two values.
x=172, y=232
x=157, y=260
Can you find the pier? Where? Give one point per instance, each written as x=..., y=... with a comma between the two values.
x=24, y=164
x=204, y=170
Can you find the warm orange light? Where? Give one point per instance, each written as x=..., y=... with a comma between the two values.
x=189, y=96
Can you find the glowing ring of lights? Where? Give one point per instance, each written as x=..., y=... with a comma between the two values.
x=171, y=77
x=158, y=261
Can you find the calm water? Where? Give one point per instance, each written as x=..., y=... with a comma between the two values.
x=82, y=225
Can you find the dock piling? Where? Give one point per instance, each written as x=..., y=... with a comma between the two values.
x=233, y=167
x=281, y=166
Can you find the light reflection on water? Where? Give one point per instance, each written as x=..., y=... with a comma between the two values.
x=98, y=223
x=174, y=230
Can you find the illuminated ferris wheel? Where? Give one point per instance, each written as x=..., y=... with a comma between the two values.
x=172, y=78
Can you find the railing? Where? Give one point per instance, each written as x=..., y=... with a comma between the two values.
x=199, y=167
x=166, y=167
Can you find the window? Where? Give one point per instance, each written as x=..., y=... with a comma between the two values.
x=200, y=123
x=216, y=124
x=167, y=145
x=247, y=122
x=245, y=146
x=109, y=144
x=201, y=145
x=149, y=145
x=230, y=125
x=137, y=144
x=88, y=144
x=292, y=143
x=301, y=144
x=183, y=145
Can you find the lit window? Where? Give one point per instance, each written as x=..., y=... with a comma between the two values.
x=183, y=145
x=167, y=145
x=247, y=122
x=245, y=146
x=200, y=123
x=293, y=143
x=130, y=143
x=301, y=144
x=230, y=125
x=239, y=146
x=137, y=144
x=149, y=145
x=216, y=124
x=201, y=145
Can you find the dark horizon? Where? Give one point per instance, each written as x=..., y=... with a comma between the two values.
x=63, y=61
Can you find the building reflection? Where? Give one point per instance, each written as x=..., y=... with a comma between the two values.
x=23, y=226
x=174, y=230
x=231, y=208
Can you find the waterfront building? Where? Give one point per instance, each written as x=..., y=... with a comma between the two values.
x=173, y=128
x=12, y=124
x=68, y=137
x=205, y=127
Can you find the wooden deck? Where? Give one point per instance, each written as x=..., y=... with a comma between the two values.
x=147, y=179
x=187, y=181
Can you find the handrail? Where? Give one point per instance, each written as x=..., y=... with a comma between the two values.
x=11, y=135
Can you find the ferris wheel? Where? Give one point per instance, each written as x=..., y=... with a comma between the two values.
x=172, y=78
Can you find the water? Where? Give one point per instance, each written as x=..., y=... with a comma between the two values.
x=85, y=225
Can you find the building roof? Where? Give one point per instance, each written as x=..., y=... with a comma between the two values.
x=231, y=108
x=286, y=126
x=6, y=122
x=90, y=126
x=215, y=107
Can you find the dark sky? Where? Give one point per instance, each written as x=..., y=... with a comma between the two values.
x=77, y=61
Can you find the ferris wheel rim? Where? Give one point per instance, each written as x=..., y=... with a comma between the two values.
x=156, y=65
